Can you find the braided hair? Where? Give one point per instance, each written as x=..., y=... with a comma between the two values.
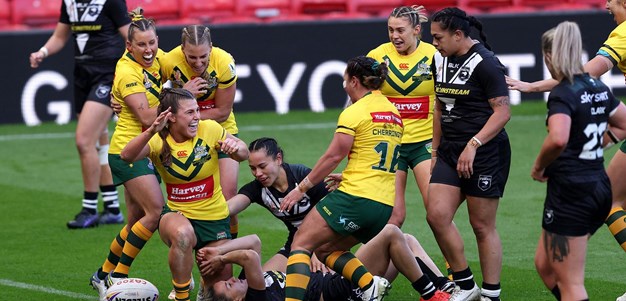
x=139, y=22
x=371, y=74
x=453, y=18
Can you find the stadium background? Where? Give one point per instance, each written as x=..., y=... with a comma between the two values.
x=40, y=174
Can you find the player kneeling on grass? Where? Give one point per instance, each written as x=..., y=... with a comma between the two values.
x=257, y=284
x=185, y=154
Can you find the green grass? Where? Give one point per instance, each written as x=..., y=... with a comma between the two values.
x=40, y=189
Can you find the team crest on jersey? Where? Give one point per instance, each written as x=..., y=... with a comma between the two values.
x=464, y=74
x=146, y=82
x=423, y=72
x=176, y=79
x=103, y=91
x=484, y=182
x=221, y=235
x=201, y=155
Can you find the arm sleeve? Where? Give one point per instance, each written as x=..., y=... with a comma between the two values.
x=226, y=68
x=118, y=12
x=348, y=122
x=558, y=104
x=253, y=191
x=492, y=78
x=64, y=17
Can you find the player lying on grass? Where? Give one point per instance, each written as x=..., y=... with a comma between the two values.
x=257, y=283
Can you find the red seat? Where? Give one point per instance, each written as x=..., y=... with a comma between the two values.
x=374, y=7
x=594, y=3
x=318, y=7
x=205, y=11
x=5, y=13
x=486, y=5
x=35, y=12
x=433, y=5
x=568, y=6
x=159, y=10
x=263, y=9
x=538, y=3
x=515, y=9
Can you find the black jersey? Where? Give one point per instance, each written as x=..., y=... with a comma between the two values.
x=331, y=286
x=464, y=86
x=270, y=198
x=589, y=103
x=94, y=25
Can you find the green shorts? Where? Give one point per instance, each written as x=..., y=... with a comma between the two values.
x=206, y=231
x=123, y=171
x=354, y=216
x=623, y=147
x=221, y=155
x=412, y=154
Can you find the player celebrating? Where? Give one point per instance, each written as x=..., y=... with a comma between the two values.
x=209, y=73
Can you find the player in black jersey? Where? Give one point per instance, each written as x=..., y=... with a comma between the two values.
x=471, y=151
x=265, y=284
x=97, y=28
x=578, y=198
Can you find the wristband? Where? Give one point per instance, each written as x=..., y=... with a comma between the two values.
x=44, y=51
x=477, y=141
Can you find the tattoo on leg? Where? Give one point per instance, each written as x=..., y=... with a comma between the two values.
x=557, y=245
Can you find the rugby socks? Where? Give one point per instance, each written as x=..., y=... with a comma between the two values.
x=109, y=197
x=556, y=292
x=617, y=225
x=350, y=267
x=298, y=275
x=90, y=202
x=449, y=271
x=182, y=290
x=115, y=251
x=464, y=279
x=137, y=238
x=425, y=287
x=438, y=281
x=491, y=291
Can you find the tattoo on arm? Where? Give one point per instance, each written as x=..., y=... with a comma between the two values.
x=499, y=101
x=557, y=246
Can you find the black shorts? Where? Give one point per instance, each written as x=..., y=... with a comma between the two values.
x=286, y=248
x=92, y=82
x=491, y=167
x=576, y=205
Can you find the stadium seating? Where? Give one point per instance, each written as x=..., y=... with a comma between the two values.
x=36, y=13
x=205, y=11
x=263, y=8
x=374, y=7
x=5, y=13
x=163, y=11
x=434, y=5
x=318, y=7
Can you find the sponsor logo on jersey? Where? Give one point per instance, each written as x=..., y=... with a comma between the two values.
x=403, y=66
x=130, y=85
x=412, y=107
x=189, y=192
x=182, y=154
x=386, y=117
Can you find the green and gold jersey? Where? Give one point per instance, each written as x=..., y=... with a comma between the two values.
x=614, y=48
x=193, y=180
x=410, y=87
x=131, y=78
x=220, y=74
x=376, y=126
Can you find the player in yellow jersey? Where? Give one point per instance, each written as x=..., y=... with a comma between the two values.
x=136, y=88
x=369, y=132
x=209, y=73
x=185, y=154
x=611, y=53
x=410, y=87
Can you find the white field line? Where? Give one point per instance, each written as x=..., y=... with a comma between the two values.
x=250, y=128
x=48, y=290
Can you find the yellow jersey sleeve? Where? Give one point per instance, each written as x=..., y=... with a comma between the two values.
x=224, y=66
x=614, y=48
